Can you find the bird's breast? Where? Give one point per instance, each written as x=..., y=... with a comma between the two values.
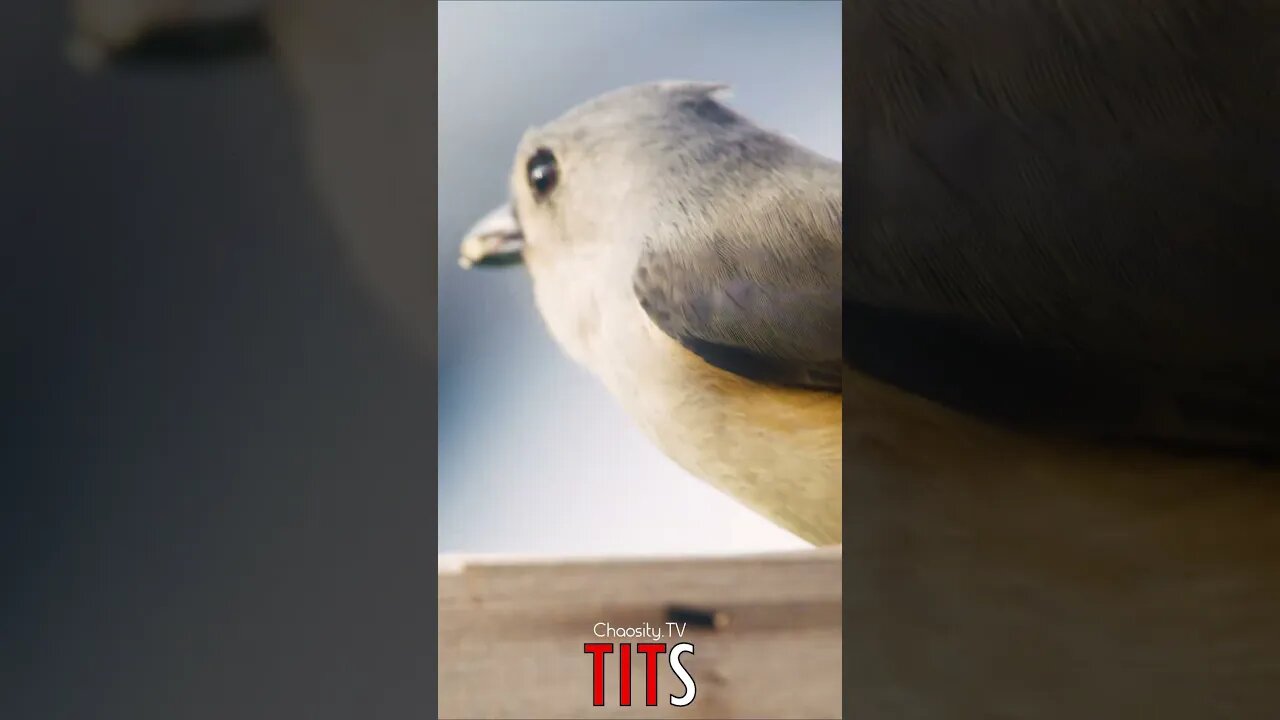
x=776, y=450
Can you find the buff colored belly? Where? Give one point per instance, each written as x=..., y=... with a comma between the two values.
x=776, y=451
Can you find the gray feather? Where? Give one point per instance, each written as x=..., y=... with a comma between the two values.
x=1068, y=212
x=746, y=272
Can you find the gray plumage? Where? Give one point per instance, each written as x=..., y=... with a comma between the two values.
x=740, y=238
x=691, y=260
x=1066, y=214
x=1064, y=220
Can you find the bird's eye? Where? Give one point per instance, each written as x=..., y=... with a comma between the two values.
x=543, y=172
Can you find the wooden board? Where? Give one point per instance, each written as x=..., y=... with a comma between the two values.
x=512, y=634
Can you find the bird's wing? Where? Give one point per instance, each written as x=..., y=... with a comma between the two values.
x=757, y=291
x=1066, y=215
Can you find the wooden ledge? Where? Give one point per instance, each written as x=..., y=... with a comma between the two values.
x=766, y=631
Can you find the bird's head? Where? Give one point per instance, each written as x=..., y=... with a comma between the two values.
x=608, y=172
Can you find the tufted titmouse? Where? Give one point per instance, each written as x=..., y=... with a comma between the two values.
x=691, y=260
x=1059, y=323
x=1058, y=320
x=1058, y=344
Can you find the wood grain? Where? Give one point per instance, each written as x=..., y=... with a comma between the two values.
x=512, y=634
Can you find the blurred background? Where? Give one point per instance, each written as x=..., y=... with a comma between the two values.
x=217, y=469
x=535, y=457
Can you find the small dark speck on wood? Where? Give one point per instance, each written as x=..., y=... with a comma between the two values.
x=697, y=617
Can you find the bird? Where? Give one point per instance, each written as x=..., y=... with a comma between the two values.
x=1058, y=356
x=1059, y=351
x=690, y=260
x=1065, y=214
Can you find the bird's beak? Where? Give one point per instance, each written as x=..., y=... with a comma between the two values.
x=495, y=241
